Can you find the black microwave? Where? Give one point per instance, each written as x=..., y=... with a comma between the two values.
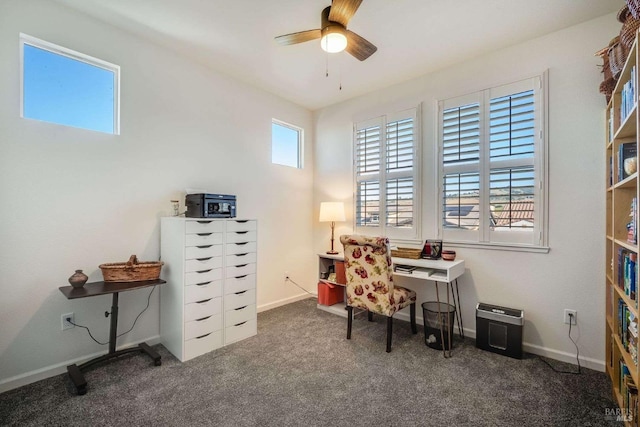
x=210, y=206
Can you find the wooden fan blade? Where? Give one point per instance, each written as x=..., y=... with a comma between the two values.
x=342, y=10
x=359, y=47
x=301, y=37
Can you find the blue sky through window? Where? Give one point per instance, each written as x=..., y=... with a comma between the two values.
x=67, y=91
x=285, y=145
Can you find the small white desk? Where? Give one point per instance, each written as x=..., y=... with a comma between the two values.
x=446, y=272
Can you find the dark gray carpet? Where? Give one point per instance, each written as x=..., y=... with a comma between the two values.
x=300, y=370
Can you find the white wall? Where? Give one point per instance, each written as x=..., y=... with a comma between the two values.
x=571, y=275
x=73, y=199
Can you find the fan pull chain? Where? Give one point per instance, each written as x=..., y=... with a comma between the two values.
x=327, y=65
x=339, y=72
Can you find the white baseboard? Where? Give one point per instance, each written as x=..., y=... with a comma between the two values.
x=284, y=301
x=587, y=362
x=58, y=368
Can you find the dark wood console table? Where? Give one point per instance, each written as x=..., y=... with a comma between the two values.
x=103, y=288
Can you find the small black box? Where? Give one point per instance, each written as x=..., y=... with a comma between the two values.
x=499, y=329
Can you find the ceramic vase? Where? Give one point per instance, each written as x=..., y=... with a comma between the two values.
x=78, y=279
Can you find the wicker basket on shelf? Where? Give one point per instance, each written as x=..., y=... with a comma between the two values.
x=617, y=57
x=630, y=26
x=131, y=271
x=634, y=8
x=406, y=253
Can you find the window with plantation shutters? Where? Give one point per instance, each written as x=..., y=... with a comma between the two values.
x=492, y=158
x=385, y=176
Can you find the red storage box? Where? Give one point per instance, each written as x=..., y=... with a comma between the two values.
x=329, y=294
x=340, y=273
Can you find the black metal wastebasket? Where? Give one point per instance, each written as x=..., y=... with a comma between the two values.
x=438, y=322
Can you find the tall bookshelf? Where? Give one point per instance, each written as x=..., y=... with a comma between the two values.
x=621, y=240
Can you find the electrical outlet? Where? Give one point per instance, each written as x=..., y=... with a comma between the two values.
x=286, y=276
x=570, y=320
x=65, y=321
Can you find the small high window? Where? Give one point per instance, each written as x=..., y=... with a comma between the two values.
x=69, y=88
x=286, y=144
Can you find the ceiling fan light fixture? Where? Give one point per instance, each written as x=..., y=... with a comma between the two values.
x=334, y=39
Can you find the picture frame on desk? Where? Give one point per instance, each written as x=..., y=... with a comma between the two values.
x=432, y=249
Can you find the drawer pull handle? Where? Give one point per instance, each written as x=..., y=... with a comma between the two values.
x=241, y=277
x=204, y=271
x=240, y=293
x=241, y=323
x=204, y=259
x=243, y=254
x=203, y=283
x=241, y=232
x=242, y=243
x=204, y=222
x=242, y=221
x=241, y=265
x=204, y=234
x=240, y=308
x=202, y=336
x=203, y=301
x=204, y=247
x=204, y=318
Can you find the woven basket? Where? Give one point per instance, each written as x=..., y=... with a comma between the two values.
x=606, y=67
x=131, y=271
x=629, y=28
x=607, y=87
x=617, y=57
x=634, y=8
x=406, y=253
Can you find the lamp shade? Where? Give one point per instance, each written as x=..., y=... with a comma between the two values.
x=332, y=211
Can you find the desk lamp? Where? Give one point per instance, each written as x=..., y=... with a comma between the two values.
x=332, y=212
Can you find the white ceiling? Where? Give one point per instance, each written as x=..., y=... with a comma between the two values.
x=413, y=37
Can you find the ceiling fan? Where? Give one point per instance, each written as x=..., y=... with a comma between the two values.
x=333, y=34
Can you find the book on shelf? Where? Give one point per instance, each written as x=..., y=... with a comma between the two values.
x=611, y=125
x=627, y=96
x=404, y=268
x=632, y=225
x=610, y=171
x=626, y=151
x=627, y=278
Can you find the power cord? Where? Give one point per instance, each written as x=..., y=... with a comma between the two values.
x=577, y=354
x=130, y=329
x=288, y=279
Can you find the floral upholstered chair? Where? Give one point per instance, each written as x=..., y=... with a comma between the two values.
x=370, y=285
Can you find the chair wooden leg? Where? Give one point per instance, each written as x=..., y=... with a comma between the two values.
x=369, y=316
x=389, y=332
x=349, y=321
x=412, y=314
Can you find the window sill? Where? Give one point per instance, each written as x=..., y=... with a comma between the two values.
x=511, y=247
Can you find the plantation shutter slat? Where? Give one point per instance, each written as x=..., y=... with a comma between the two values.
x=461, y=202
x=385, y=173
x=461, y=134
x=489, y=160
x=512, y=126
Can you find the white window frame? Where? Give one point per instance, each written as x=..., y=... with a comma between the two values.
x=300, y=146
x=535, y=240
x=397, y=234
x=72, y=54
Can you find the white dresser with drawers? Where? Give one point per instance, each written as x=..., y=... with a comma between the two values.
x=209, y=299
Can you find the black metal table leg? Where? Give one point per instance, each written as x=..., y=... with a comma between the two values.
x=75, y=371
x=460, y=326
